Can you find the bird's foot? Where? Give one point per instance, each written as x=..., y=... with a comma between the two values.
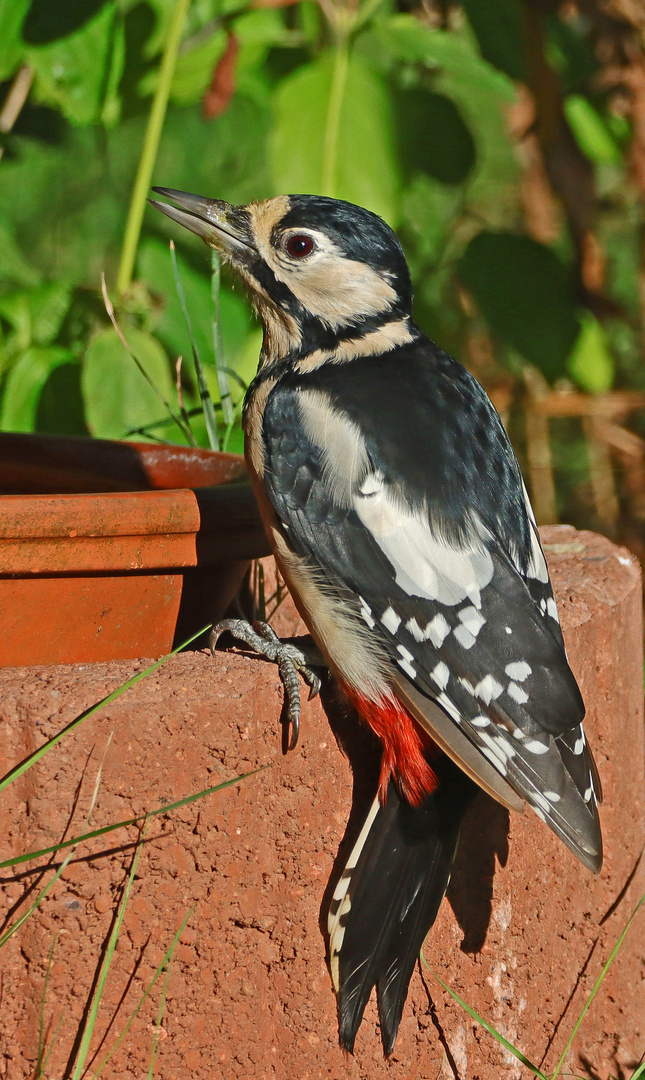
x=291, y=661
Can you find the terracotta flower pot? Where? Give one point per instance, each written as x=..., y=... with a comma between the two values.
x=115, y=550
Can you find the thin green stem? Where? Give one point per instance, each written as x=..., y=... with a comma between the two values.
x=332, y=126
x=597, y=985
x=54, y=848
x=90, y=1024
x=204, y=393
x=218, y=344
x=365, y=12
x=27, y=763
x=146, y=994
x=150, y=147
x=41, y=1023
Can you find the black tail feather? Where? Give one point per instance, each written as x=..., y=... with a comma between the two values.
x=388, y=898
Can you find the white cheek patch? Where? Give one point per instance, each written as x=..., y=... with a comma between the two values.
x=425, y=565
x=335, y=289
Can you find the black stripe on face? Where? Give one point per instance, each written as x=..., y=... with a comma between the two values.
x=315, y=333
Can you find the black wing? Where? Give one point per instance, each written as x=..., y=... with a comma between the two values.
x=394, y=477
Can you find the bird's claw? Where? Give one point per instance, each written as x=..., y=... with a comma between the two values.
x=290, y=659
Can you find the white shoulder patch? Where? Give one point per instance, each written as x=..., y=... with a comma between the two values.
x=344, y=454
x=425, y=565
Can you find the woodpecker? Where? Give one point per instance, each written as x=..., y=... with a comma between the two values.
x=398, y=517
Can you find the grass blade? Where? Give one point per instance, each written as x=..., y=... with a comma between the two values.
x=596, y=987
x=31, y=855
x=160, y=1012
x=487, y=1027
x=185, y=429
x=90, y=1023
x=42, y=1069
x=43, y=893
x=218, y=344
x=166, y=959
x=40, y=1066
x=21, y=768
x=204, y=394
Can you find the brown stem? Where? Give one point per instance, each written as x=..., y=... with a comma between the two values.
x=15, y=99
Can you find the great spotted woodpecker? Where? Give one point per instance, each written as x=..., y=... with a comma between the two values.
x=396, y=510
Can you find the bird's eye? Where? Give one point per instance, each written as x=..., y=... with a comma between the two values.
x=299, y=246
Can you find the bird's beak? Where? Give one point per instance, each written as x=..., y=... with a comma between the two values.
x=220, y=225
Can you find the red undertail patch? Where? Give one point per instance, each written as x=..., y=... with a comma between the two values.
x=406, y=746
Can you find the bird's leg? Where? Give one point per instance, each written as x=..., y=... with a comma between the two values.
x=290, y=659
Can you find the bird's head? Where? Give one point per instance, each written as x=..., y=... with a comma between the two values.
x=323, y=274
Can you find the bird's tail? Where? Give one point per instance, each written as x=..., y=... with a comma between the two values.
x=388, y=896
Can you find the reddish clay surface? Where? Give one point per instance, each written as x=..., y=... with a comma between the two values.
x=523, y=937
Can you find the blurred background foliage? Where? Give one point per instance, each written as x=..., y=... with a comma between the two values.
x=505, y=142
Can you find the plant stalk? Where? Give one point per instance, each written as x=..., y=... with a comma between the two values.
x=332, y=126
x=150, y=147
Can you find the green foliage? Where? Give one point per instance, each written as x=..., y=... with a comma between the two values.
x=302, y=118
x=592, y=132
x=116, y=395
x=524, y=291
x=12, y=46
x=79, y=70
x=501, y=39
x=25, y=384
x=590, y=362
x=447, y=150
x=377, y=107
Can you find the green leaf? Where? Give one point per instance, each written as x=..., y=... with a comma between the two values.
x=12, y=47
x=74, y=72
x=499, y=32
x=237, y=325
x=226, y=157
x=262, y=27
x=48, y=305
x=47, y=22
x=60, y=405
x=590, y=362
x=194, y=69
x=434, y=139
x=481, y=93
x=116, y=395
x=366, y=162
x=36, y=314
x=14, y=267
x=524, y=292
x=429, y=210
x=592, y=133
x=24, y=386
